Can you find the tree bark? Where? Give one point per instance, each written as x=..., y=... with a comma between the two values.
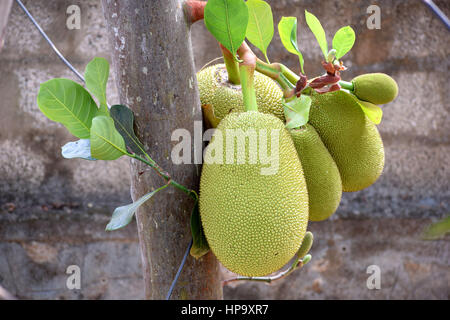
x=5, y=8
x=155, y=75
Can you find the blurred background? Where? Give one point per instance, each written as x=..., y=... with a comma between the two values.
x=53, y=211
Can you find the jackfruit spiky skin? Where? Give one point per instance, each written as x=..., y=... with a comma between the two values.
x=321, y=173
x=376, y=88
x=254, y=223
x=351, y=138
x=225, y=97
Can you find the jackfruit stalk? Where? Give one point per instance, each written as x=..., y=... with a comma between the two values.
x=224, y=97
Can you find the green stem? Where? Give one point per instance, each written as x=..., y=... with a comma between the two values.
x=248, y=88
x=165, y=176
x=346, y=85
x=282, y=75
x=286, y=78
x=232, y=66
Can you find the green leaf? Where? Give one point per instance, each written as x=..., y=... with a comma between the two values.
x=372, y=111
x=200, y=246
x=260, y=25
x=124, y=122
x=343, y=41
x=227, y=21
x=317, y=29
x=123, y=215
x=96, y=76
x=287, y=28
x=306, y=245
x=106, y=142
x=437, y=230
x=77, y=149
x=297, y=111
x=67, y=102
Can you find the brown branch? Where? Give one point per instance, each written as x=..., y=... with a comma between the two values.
x=246, y=54
x=195, y=10
x=280, y=275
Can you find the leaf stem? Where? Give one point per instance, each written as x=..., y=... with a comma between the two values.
x=297, y=264
x=165, y=175
x=232, y=66
x=281, y=74
x=301, y=259
x=347, y=85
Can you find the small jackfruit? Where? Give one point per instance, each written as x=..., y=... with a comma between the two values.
x=321, y=173
x=254, y=220
x=351, y=138
x=224, y=97
x=377, y=88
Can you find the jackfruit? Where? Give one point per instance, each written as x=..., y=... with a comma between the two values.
x=351, y=138
x=254, y=212
x=224, y=97
x=321, y=173
x=376, y=88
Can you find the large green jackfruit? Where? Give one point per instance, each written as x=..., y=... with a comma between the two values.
x=224, y=97
x=376, y=88
x=321, y=173
x=351, y=138
x=254, y=214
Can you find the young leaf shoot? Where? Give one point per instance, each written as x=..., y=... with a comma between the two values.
x=343, y=41
x=317, y=29
x=287, y=28
x=227, y=21
x=260, y=25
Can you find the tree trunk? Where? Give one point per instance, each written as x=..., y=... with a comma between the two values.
x=155, y=75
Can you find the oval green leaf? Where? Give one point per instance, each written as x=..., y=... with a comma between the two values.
x=318, y=31
x=343, y=41
x=106, y=142
x=200, y=246
x=260, y=25
x=436, y=230
x=67, y=102
x=227, y=21
x=372, y=111
x=96, y=77
x=296, y=111
x=124, y=122
x=306, y=245
x=122, y=215
x=287, y=28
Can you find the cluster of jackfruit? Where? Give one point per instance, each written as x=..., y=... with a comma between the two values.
x=255, y=223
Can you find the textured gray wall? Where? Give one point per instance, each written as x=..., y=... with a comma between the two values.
x=53, y=211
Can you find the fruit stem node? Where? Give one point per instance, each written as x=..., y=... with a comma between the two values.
x=232, y=65
x=247, y=71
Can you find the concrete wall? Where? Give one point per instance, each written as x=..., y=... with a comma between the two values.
x=53, y=211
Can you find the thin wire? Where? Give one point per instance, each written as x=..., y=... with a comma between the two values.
x=438, y=12
x=67, y=63
x=174, y=282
